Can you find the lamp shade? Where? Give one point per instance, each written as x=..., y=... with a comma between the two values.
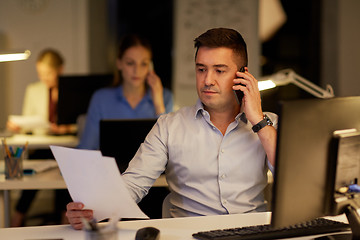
x=14, y=56
x=288, y=76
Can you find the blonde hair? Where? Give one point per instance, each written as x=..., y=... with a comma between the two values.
x=51, y=57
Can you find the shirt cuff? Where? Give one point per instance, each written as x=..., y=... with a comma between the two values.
x=271, y=167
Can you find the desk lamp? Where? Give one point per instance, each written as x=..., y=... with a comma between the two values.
x=287, y=76
x=14, y=56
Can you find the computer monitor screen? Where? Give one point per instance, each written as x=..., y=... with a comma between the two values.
x=305, y=134
x=121, y=138
x=75, y=93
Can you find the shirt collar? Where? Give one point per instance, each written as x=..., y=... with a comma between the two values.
x=199, y=110
x=242, y=117
x=120, y=94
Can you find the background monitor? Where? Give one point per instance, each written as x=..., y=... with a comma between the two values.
x=121, y=138
x=305, y=137
x=75, y=93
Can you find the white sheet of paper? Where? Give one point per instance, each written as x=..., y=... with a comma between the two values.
x=96, y=181
x=29, y=122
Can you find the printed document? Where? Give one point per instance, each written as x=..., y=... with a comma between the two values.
x=96, y=181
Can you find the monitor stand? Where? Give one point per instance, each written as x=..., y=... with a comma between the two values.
x=354, y=222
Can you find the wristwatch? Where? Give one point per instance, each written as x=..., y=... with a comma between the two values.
x=265, y=122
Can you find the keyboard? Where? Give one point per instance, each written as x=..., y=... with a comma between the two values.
x=263, y=232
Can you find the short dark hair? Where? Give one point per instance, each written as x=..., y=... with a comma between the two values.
x=223, y=37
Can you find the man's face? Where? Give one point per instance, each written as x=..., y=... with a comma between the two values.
x=215, y=71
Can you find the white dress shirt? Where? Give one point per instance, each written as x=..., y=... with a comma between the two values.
x=36, y=101
x=207, y=173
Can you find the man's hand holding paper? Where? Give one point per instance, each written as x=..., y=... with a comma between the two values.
x=95, y=184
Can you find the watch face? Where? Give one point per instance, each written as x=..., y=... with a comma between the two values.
x=268, y=121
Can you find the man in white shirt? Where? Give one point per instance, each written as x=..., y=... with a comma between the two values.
x=215, y=154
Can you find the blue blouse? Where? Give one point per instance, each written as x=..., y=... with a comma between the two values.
x=110, y=103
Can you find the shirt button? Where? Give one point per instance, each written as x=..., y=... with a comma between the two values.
x=222, y=150
x=223, y=176
x=224, y=202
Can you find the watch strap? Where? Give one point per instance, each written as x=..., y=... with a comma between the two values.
x=265, y=122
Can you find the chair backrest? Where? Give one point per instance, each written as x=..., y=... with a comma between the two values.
x=80, y=122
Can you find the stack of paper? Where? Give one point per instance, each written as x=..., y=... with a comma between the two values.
x=95, y=181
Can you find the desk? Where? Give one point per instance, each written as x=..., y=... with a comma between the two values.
x=170, y=229
x=50, y=179
x=42, y=141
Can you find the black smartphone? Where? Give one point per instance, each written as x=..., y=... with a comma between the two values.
x=239, y=94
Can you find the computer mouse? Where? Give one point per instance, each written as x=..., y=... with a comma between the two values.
x=147, y=233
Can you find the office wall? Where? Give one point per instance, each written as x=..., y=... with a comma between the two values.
x=78, y=29
x=193, y=17
x=349, y=48
x=62, y=24
x=340, y=46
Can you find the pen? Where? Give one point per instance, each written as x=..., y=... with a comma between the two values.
x=11, y=151
x=26, y=145
x=17, y=151
x=6, y=148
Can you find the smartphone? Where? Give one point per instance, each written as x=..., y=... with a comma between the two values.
x=151, y=70
x=239, y=94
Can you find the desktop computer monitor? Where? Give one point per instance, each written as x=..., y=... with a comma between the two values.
x=75, y=93
x=121, y=138
x=306, y=156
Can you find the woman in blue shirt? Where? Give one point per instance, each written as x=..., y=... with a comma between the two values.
x=137, y=91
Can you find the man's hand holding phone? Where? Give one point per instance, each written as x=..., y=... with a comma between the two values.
x=251, y=100
x=238, y=93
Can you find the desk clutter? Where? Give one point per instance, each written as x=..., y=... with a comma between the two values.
x=15, y=166
x=104, y=232
x=13, y=160
x=31, y=167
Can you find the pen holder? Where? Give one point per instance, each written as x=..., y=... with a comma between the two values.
x=13, y=160
x=13, y=167
x=102, y=233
